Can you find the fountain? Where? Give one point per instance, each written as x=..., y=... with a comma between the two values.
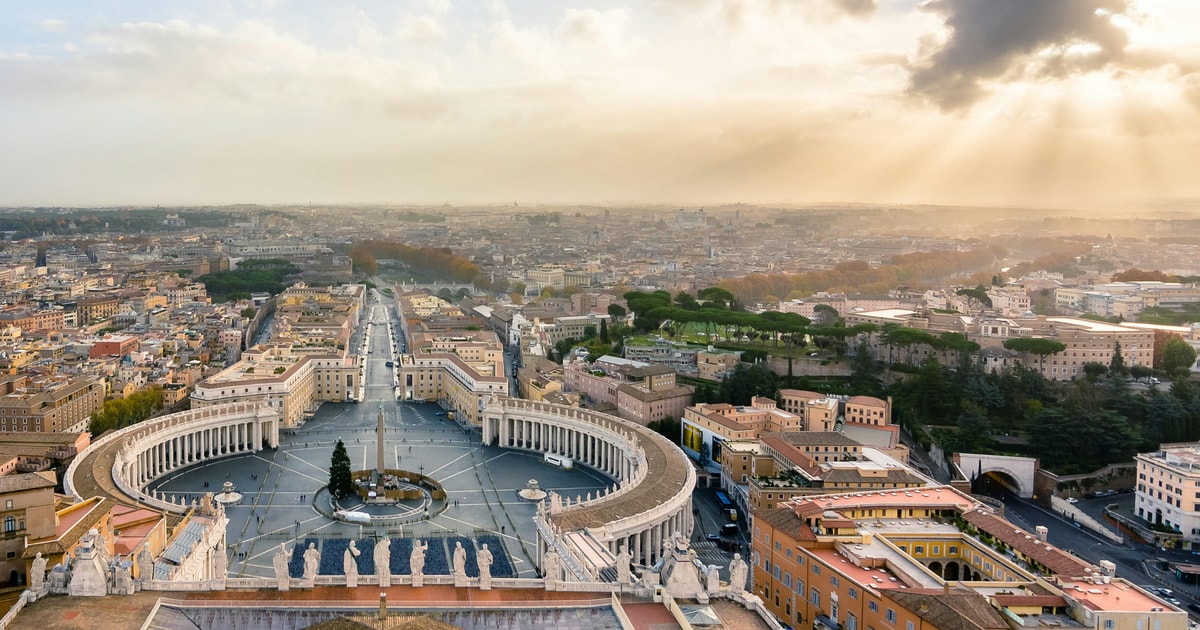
x=532, y=492
x=228, y=495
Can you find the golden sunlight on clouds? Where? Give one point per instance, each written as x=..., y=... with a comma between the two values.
x=683, y=101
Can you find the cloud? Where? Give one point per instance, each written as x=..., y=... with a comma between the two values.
x=738, y=14
x=420, y=29
x=990, y=40
x=856, y=7
x=590, y=27
x=51, y=25
x=178, y=61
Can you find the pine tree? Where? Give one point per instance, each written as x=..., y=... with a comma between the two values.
x=340, y=483
x=603, y=331
x=1117, y=365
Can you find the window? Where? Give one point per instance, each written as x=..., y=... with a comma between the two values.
x=787, y=580
x=908, y=625
x=873, y=606
x=833, y=581
x=952, y=550
x=814, y=597
x=852, y=592
x=890, y=615
x=1109, y=624
x=10, y=524
x=851, y=622
x=918, y=548
x=816, y=569
x=798, y=586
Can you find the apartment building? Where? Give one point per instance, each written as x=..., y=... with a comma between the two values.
x=816, y=412
x=868, y=410
x=651, y=393
x=1168, y=490
x=708, y=426
x=269, y=373
x=30, y=320
x=49, y=403
x=26, y=511
x=462, y=369
x=808, y=463
x=896, y=560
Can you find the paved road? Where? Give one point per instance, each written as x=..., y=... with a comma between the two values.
x=1135, y=561
x=709, y=519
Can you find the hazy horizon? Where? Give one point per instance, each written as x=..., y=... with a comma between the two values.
x=1071, y=104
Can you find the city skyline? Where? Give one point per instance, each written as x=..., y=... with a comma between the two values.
x=1066, y=104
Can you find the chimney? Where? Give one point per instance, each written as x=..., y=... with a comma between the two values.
x=1043, y=533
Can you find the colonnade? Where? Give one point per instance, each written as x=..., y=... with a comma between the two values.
x=649, y=470
x=146, y=451
x=202, y=444
x=547, y=436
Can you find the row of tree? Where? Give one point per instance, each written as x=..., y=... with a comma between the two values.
x=254, y=275
x=435, y=262
x=119, y=413
x=856, y=275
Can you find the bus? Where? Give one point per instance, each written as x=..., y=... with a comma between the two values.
x=727, y=506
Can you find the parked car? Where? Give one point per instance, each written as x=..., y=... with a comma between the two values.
x=1072, y=500
x=714, y=537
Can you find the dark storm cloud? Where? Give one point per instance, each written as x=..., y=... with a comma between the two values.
x=994, y=39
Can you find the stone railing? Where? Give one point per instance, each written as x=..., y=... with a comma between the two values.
x=26, y=597
x=125, y=439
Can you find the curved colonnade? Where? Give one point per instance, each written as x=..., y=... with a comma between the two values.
x=652, y=500
x=143, y=452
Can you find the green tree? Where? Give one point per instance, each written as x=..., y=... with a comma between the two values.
x=616, y=311
x=341, y=485
x=1117, y=364
x=748, y=381
x=974, y=429
x=604, y=331
x=1178, y=356
x=667, y=427
x=1033, y=345
x=978, y=294
x=248, y=312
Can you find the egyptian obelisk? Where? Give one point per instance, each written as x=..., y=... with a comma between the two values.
x=379, y=443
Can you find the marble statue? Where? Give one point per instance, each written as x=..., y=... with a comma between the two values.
x=551, y=567
x=281, y=568
x=37, y=572
x=624, y=576
x=312, y=560
x=460, y=559
x=460, y=565
x=383, y=562
x=712, y=579
x=484, y=558
x=350, y=564
x=220, y=562
x=737, y=574
x=416, y=563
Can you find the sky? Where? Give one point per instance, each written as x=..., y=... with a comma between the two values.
x=1045, y=103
